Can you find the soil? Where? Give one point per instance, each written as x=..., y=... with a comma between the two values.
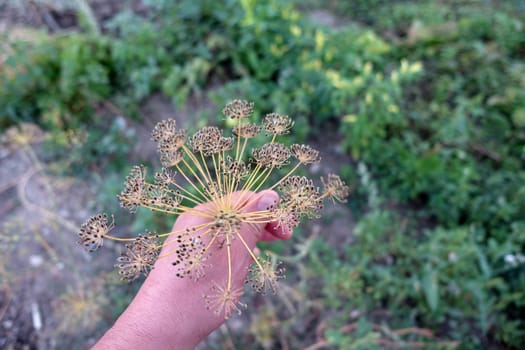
x=40, y=257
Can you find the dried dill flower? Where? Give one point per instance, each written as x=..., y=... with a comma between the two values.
x=277, y=124
x=201, y=173
x=165, y=178
x=301, y=197
x=164, y=130
x=264, y=275
x=224, y=300
x=237, y=169
x=191, y=257
x=238, y=109
x=272, y=155
x=133, y=194
x=139, y=258
x=93, y=231
x=335, y=188
x=305, y=154
x=247, y=131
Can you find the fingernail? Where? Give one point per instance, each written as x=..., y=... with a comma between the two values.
x=267, y=201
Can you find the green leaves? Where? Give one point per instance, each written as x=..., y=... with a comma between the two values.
x=429, y=282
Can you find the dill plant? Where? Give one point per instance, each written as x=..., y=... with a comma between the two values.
x=210, y=176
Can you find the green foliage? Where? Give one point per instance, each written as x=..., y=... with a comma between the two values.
x=455, y=153
x=53, y=79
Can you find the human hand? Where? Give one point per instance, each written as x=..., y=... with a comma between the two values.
x=169, y=312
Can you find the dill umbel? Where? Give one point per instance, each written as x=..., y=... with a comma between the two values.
x=215, y=177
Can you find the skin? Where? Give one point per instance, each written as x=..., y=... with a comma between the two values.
x=169, y=312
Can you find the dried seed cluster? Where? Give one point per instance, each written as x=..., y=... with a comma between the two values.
x=211, y=177
x=276, y=124
x=272, y=155
x=93, y=231
x=238, y=109
x=139, y=257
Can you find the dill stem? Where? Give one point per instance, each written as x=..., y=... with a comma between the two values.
x=199, y=180
x=285, y=176
x=254, y=180
x=256, y=197
x=113, y=238
x=191, y=183
x=238, y=140
x=245, y=189
x=243, y=146
x=188, y=195
x=249, y=179
x=210, y=179
x=224, y=175
x=263, y=181
x=228, y=249
x=196, y=161
x=217, y=171
x=249, y=251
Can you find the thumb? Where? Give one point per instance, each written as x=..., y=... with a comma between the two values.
x=264, y=200
x=271, y=231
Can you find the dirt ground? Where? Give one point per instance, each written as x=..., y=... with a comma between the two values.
x=40, y=259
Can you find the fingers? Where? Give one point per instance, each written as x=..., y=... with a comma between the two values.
x=270, y=231
x=258, y=202
x=273, y=231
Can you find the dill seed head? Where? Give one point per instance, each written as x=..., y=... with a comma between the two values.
x=272, y=155
x=335, y=188
x=247, y=131
x=207, y=140
x=159, y=197
x=170, y=159
x=264, y=275
x=164, y=129
x=165, y=178
x=170, y=146
x=276, y=124
x=226, y=224
x=169, y=142
x=92, y=232
x=238, y=109
x=215, y=178
x=300, y=196
x=225, y=144
x=133, y=194
x=139, y=258
x=285, y=218
x=305, y=154
x=224, y=300
x=236, y=169
x=190, y=257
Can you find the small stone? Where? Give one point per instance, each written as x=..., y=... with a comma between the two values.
x=36, y=260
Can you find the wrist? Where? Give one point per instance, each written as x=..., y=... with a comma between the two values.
x=152, y=320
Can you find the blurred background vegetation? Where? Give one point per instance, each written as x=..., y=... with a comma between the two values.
x=419, y=104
